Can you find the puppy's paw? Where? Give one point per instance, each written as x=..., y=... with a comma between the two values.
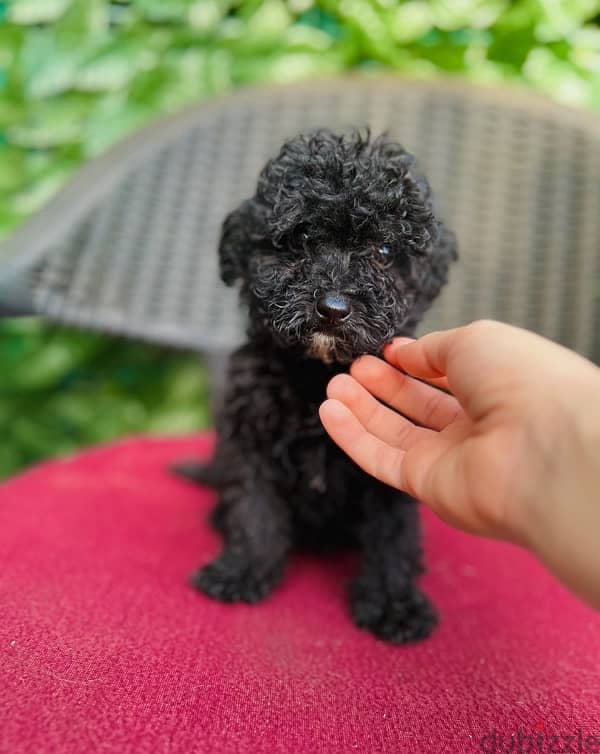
x=399, y=619
x=232, y=579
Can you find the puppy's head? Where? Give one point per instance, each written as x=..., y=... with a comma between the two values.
x=339, y=249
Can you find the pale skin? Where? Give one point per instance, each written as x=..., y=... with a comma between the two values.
x=508, y=448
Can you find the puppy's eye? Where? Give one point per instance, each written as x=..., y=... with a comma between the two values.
x=384, y=256
x=299, y=238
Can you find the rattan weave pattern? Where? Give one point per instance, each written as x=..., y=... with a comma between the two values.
x=516, y=177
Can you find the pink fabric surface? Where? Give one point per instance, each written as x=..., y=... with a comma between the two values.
x=105, y=647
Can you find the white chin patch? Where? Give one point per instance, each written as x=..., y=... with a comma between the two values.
x=322, y=347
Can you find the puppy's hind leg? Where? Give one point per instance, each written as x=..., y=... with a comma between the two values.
x=385, y=598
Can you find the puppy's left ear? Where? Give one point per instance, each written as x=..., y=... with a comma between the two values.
x=444, y=252
x=430, y=272
x=433, y=275
x=241, y=232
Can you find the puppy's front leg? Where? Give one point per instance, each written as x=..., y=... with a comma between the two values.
x=255, y=525
x=385, y=598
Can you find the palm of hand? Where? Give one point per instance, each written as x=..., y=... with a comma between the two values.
x=414, y=436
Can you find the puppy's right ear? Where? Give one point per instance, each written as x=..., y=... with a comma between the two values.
x=242, y=230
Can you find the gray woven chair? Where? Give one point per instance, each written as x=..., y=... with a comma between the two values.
x=129, y=245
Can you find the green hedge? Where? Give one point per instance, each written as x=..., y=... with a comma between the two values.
x=62, y=390
x=78, y=75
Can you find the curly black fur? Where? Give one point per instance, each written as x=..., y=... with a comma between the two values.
x=351, y=217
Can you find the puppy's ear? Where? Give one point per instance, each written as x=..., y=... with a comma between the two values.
x=430, y=271
x=444, y=252
x=243, y=230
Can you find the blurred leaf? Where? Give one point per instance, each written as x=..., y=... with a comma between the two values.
x=449, y=51
x=269, y=21
x=519, y=15
x=159, y=11
x=585, y=52
x=35, y=362
x=184, y=77
x=12, y=168
x=121, y=16
x=47, y=67
x=219, y=71
x=306, y=38
x=206, y=15
x=46, y=185
x=83, y=21
x=10, y=218
x=36, y=11
x=477, y=14
x=11, y=112
x=288, y=67
x=174, y=420
x=38, y=162
x=112, y=119
x=411, y=20
x=11, y=39
x=111, y=66
x=261, y=31
x=560, y=18
x=322, y=20
x=51, y=122
x=550, y=74
x=370, y=26
x=12, y=457
x=512, y=45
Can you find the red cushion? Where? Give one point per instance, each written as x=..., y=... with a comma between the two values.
x=106, y=648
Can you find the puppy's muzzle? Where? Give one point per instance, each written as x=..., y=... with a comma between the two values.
x=333, y=308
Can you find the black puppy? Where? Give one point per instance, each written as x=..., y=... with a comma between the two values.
x=337, y=252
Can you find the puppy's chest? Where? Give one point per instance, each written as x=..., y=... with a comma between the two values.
x=275, y=405
x=312, y=465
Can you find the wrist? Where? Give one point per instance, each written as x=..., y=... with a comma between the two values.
x=563, y=518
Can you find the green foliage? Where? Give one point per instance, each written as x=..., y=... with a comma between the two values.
x=78, y=75
x=62, y=390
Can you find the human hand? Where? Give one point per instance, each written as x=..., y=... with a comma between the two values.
x=512, y=452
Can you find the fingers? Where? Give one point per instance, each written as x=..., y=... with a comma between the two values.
x=477, y=361
x=411, y=470
x=486, y=363
x=424, y=404
x=426, y=358
x=385, y=424
x=369, y=452
x=432, y=471
x=441, y=382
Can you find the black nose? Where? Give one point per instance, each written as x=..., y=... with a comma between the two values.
x=334, y=307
